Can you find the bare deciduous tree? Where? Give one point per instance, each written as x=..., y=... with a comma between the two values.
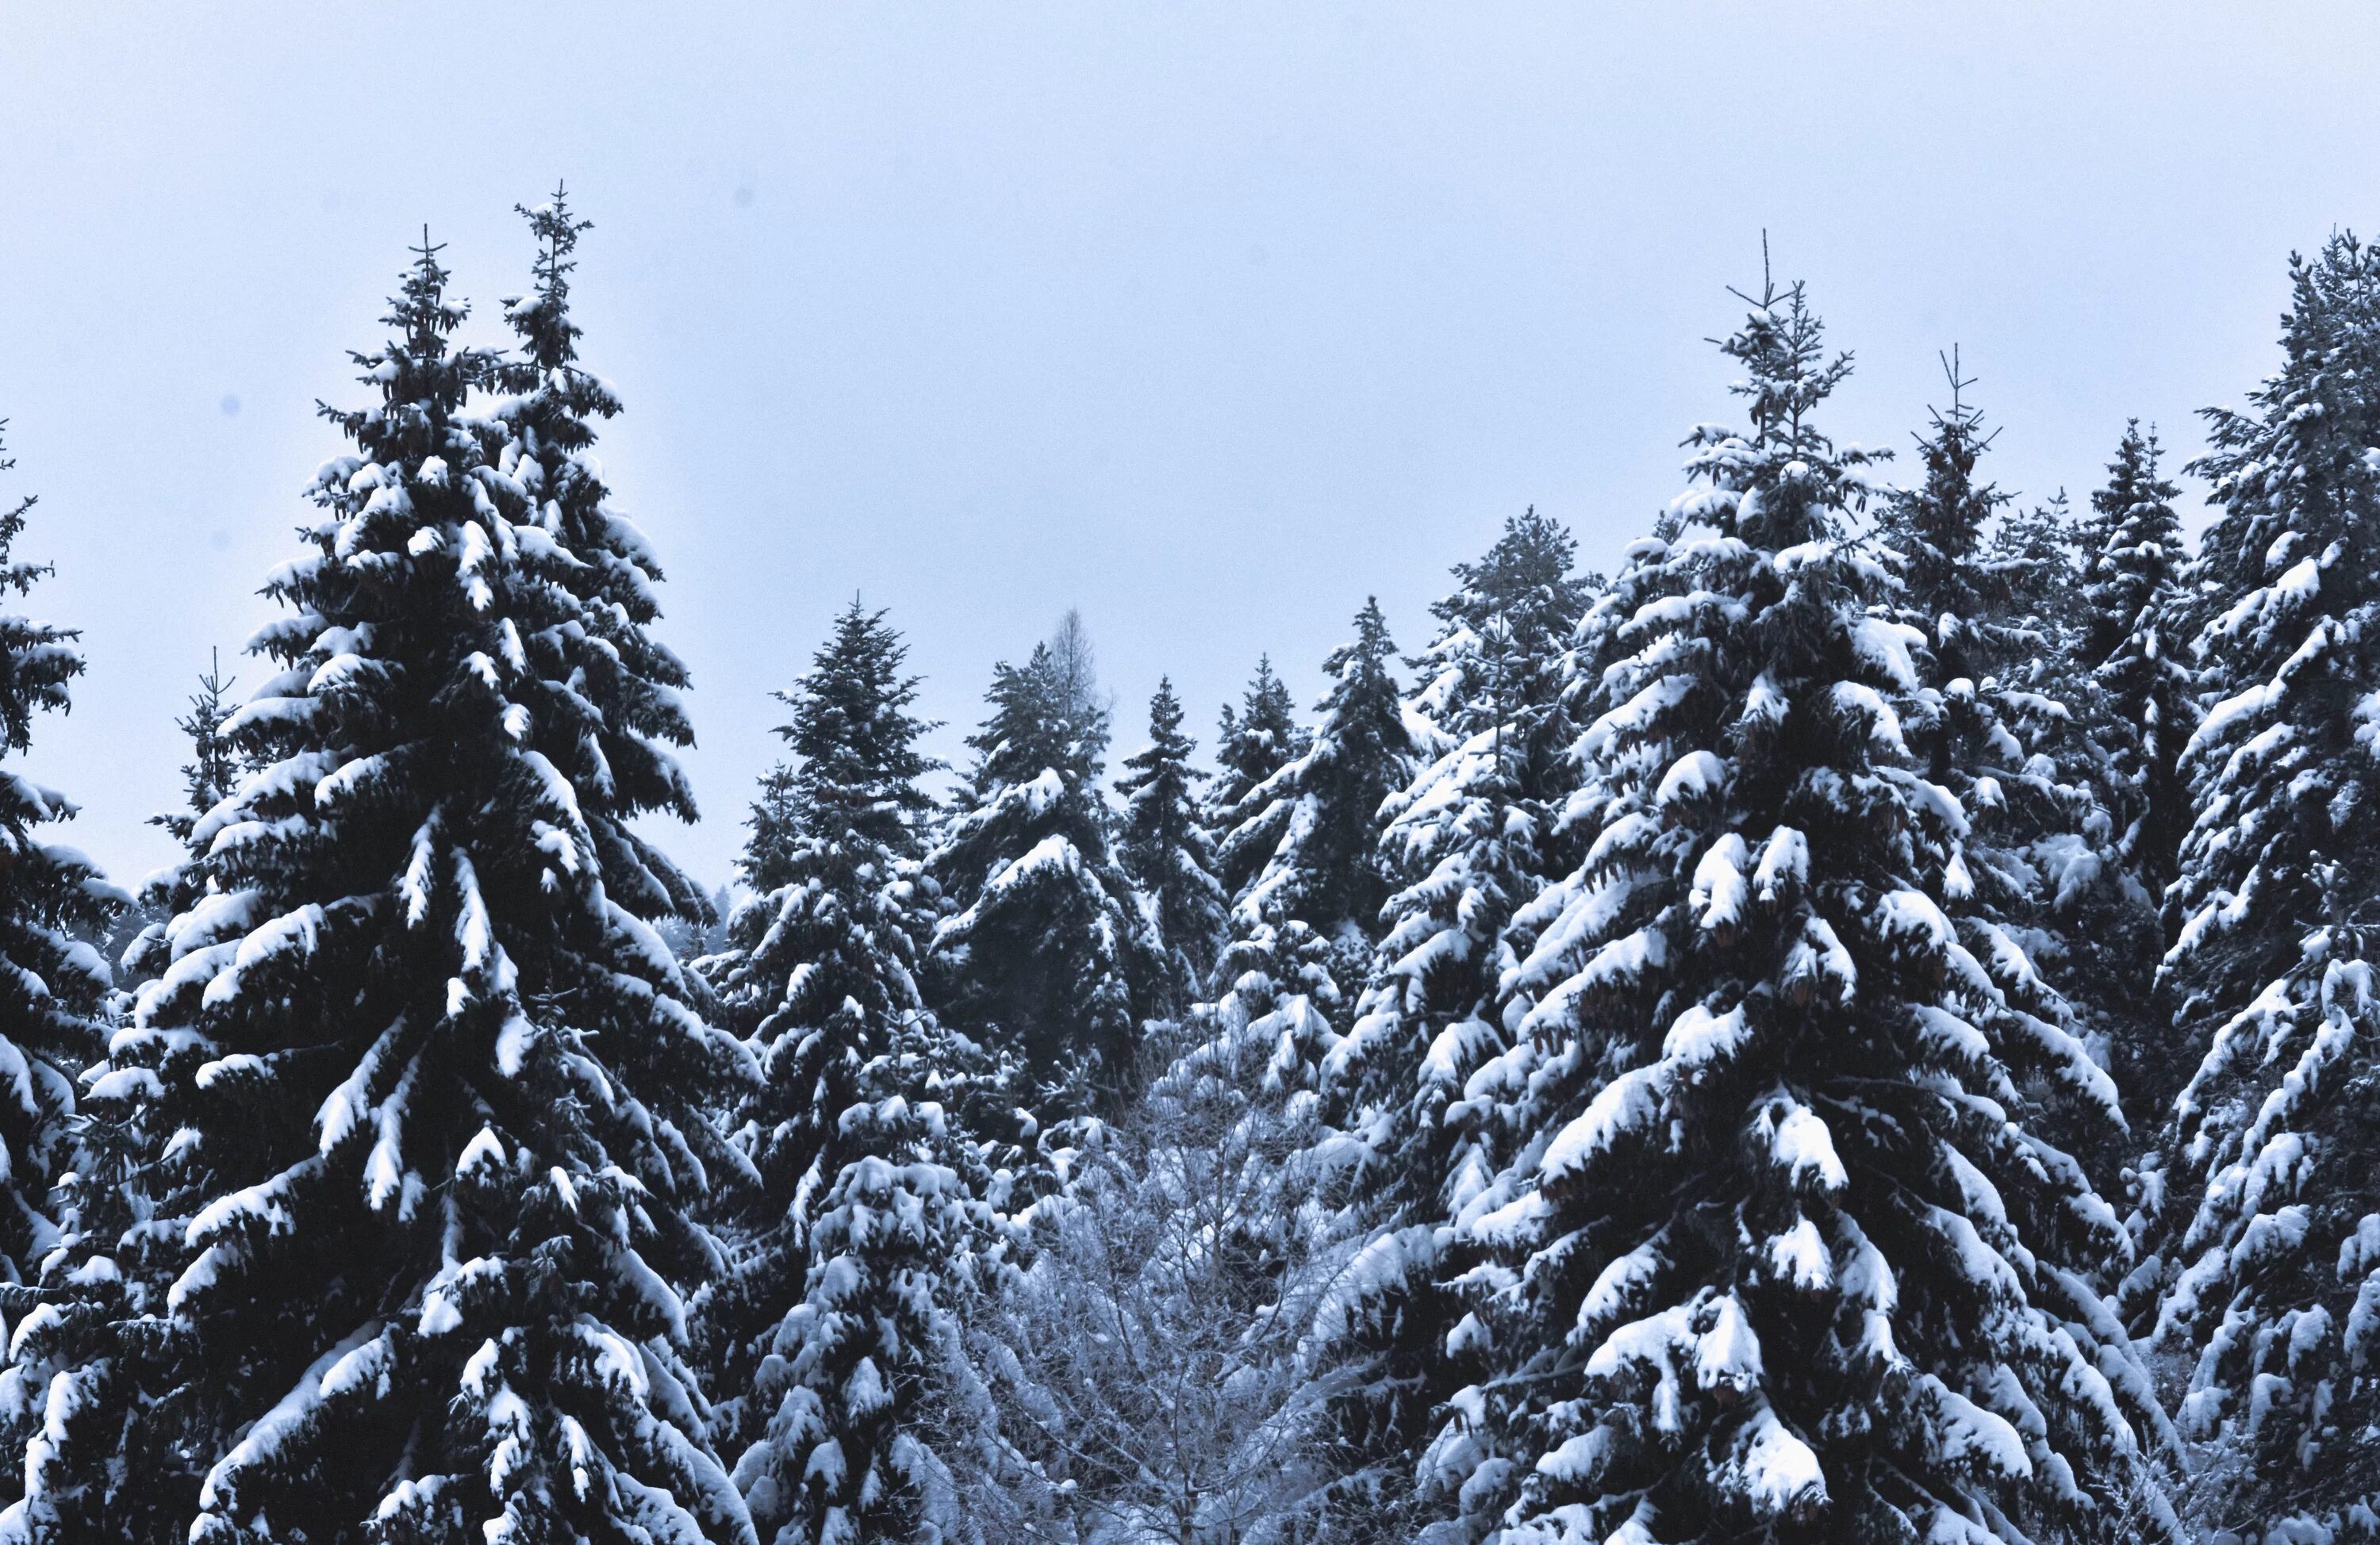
x=1152, y=1373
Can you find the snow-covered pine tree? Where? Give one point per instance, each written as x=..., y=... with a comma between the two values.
x=833, y=1329
x=1470, y=841
x=836, y=835
x=2033, y=560
x=869, y=1365
x=1046, y=956
x=2271, y=1185
x=53, y=1012
x=2124, y=669
x=2131, y=591
x=766, y=862
x=2035, y=556
x=1164, y=848
x=834, y=1336
x=1781, y=1251
x=208, y=778
x=1316, y=822
x=1979, y=725
x=1250, y=746
x=1524, y=586
x=1268, y=1029
x=213, y=767
x=54, y=907
x=424, y=1210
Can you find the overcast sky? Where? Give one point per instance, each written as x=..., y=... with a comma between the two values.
x=1209, y=318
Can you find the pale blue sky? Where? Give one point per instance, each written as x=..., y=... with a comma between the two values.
x=1207, y=318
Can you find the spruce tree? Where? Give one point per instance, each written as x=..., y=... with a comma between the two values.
x=2272, y=1183
x=54, y=906
x=1470, y=839
x=1164, y=848
x=1316, y=822
x=425, y=1208
x=2123, y=665
x=2037, y=559
x=2132, y=591
x=766, y=862
x=838, y=832
x=869, y=1366
x=208, y=778
x=213, y=767
x=1525, y=588
x=1268, y=1027
x=1046, y=955
x=1781, y=1248
x=834, y=1334
x=1250, y=746
x=1979, y=728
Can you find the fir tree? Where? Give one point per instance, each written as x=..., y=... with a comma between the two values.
x=1940, y=528
x=839, y=831
x=869, y=1204
x=1781, y=1248
x=53, y=905
x=1164, y=848
x=1269, y=1029
x=2121, y=661
x=426, y=1067
x=213, y=768
x=1983, y=736
x=1316, y=822
x=1250, y=746
x=1502, y=632
x=766, y=862
x=208, y=778
x=2276, y=1148
x=868, y=1366
x=1470, y=838
x=2034, y=559
x=1046, y=956
x=2131, y=591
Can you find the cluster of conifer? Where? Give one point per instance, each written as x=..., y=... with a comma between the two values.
x=1857, y=1025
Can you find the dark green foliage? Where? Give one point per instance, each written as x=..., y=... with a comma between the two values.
x=54, y=907
x=1164, y=848
x=866, y=1204
x=1046, y=956
x=1317, y=821
x=1469, y=840
x=2274, y=1221
x=433, y=1084
x=213, y=767
x=1781, y=1252
x=1250, y=746
x=2132, y=595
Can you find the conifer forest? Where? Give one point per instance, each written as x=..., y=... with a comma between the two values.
x=1857, y=1025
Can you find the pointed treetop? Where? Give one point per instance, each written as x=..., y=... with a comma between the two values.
x=1941, y=524
x=1046, y=714
x=545, y=322
x=1782, y=343
x=38, y=682
x=1526, y=575
x=1782, y=482
x=854, y=738
x=1259, y=739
